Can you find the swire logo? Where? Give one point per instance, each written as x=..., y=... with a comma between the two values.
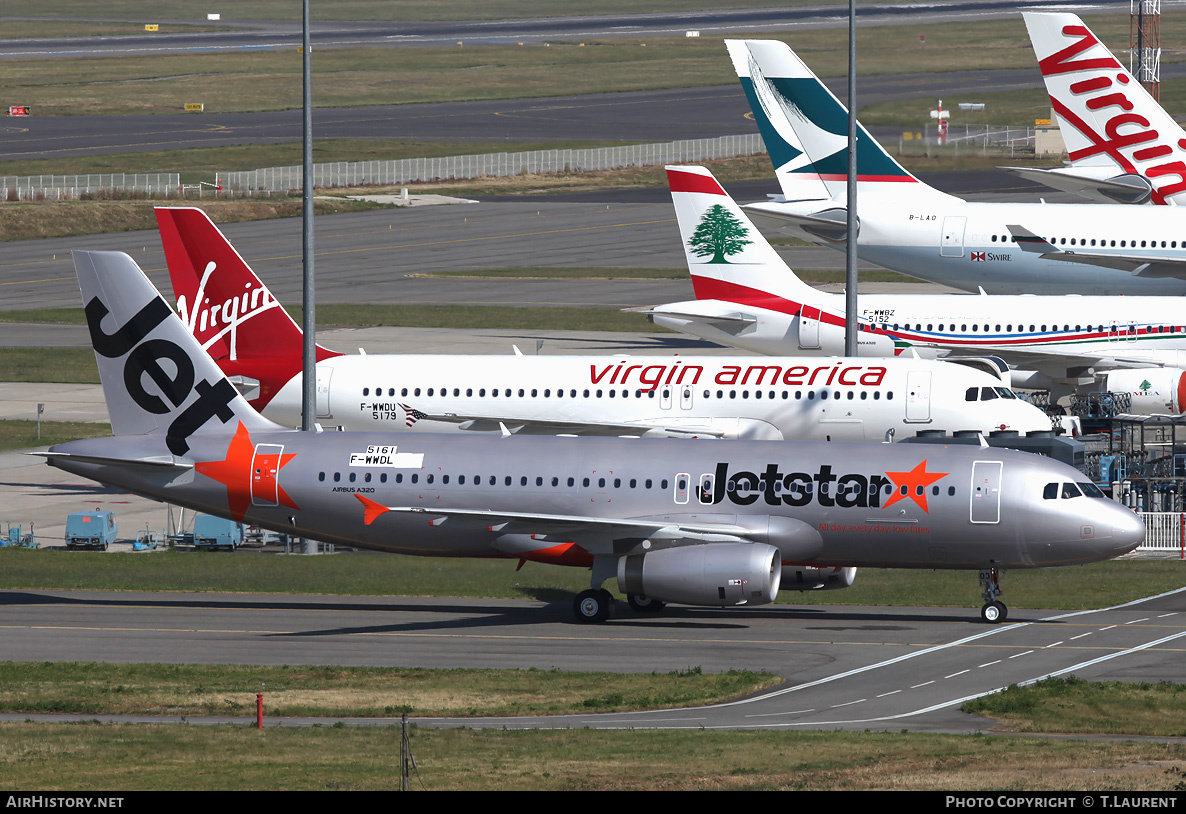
x=209, y=322
x=1128, y=137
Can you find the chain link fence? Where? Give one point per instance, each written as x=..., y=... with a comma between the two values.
x=92, y=185
x=282, y=180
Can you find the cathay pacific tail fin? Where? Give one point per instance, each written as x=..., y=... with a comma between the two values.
x=806, y=128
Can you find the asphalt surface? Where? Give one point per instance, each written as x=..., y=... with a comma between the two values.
x=853, y=668
x=232, y=34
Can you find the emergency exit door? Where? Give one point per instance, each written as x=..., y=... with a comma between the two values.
x=264, y=467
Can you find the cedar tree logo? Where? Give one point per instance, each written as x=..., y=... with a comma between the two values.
x=719, y=235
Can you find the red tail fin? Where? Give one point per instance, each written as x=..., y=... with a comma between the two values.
x=230, y=311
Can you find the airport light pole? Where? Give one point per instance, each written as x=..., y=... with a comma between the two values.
x=308, y=317
x=308, y=322
x=850, y=251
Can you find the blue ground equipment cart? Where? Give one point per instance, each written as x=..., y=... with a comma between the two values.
x=217, y=534
x=91, y=530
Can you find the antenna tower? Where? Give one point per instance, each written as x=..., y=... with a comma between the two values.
x=1144, y=55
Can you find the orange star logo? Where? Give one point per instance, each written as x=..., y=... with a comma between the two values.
x=915, y=482
x=248, y=474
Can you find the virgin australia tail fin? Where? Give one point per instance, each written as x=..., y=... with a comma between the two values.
x=1094, y=97
x=220, y=299
x=157, y=380
x=787, y=98
x=225, y=305
x=727, y=256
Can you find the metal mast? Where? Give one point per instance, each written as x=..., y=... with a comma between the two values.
x=1144, y=55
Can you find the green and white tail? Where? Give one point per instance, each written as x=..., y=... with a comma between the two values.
x=805, y=128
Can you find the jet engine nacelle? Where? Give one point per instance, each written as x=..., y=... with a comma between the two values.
x=809, y=578
x=1152, y=389
x=716, y=574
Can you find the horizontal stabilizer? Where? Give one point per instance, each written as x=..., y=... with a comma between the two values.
x=828, y=224
x=168, y=461
x=1126, y=188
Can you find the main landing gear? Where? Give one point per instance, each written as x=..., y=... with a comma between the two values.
x=593, y=606
x=994, y=610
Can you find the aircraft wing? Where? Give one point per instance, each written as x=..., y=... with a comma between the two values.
x=1103, y=185
x=1139, y=265
x=1049, y=359
x=592, y=533
x=536, y=426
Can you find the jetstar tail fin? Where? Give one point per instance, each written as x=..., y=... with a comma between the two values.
x=1113, y=129
x=809, y=127
x=156, y=378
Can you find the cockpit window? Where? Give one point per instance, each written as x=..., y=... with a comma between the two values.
x=987, y=393
x=972, y=394
x=1005, y=393
x=1070, y=490
x=1050, y=492
x=1091, y=490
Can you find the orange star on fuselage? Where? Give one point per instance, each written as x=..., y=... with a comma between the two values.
x=916, y=482
x=235, y=472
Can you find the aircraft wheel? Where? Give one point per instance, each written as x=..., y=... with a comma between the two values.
x=593, y=606
x=994, y=612
x=644, y=604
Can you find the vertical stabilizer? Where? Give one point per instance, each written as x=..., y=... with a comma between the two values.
x=157, y=380
x=227, y=307
x=727, y=256
x=797, y=176
x=1108, y=121
x=787, y=97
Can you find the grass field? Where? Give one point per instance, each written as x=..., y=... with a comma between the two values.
x=100, y=758
x=231, y=81
x=1076, y=588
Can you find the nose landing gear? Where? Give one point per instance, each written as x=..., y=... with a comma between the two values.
x=994, y=610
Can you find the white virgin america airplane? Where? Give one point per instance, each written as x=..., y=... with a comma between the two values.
x=1121, y=143
x=243, y=327
x=748, y=298
x=907, y=226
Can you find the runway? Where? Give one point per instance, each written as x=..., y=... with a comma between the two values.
x=853, y=668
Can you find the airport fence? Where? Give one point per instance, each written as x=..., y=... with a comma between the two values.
x=91, y=185
x=1165, y=533
x=282, y=180
x=985, y=139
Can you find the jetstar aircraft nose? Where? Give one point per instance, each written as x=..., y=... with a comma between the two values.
x=1128, y=530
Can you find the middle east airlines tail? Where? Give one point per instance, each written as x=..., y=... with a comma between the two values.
x=1123, y=146
x=685, y=397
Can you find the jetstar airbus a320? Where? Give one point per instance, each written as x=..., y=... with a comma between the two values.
x=653, y=513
